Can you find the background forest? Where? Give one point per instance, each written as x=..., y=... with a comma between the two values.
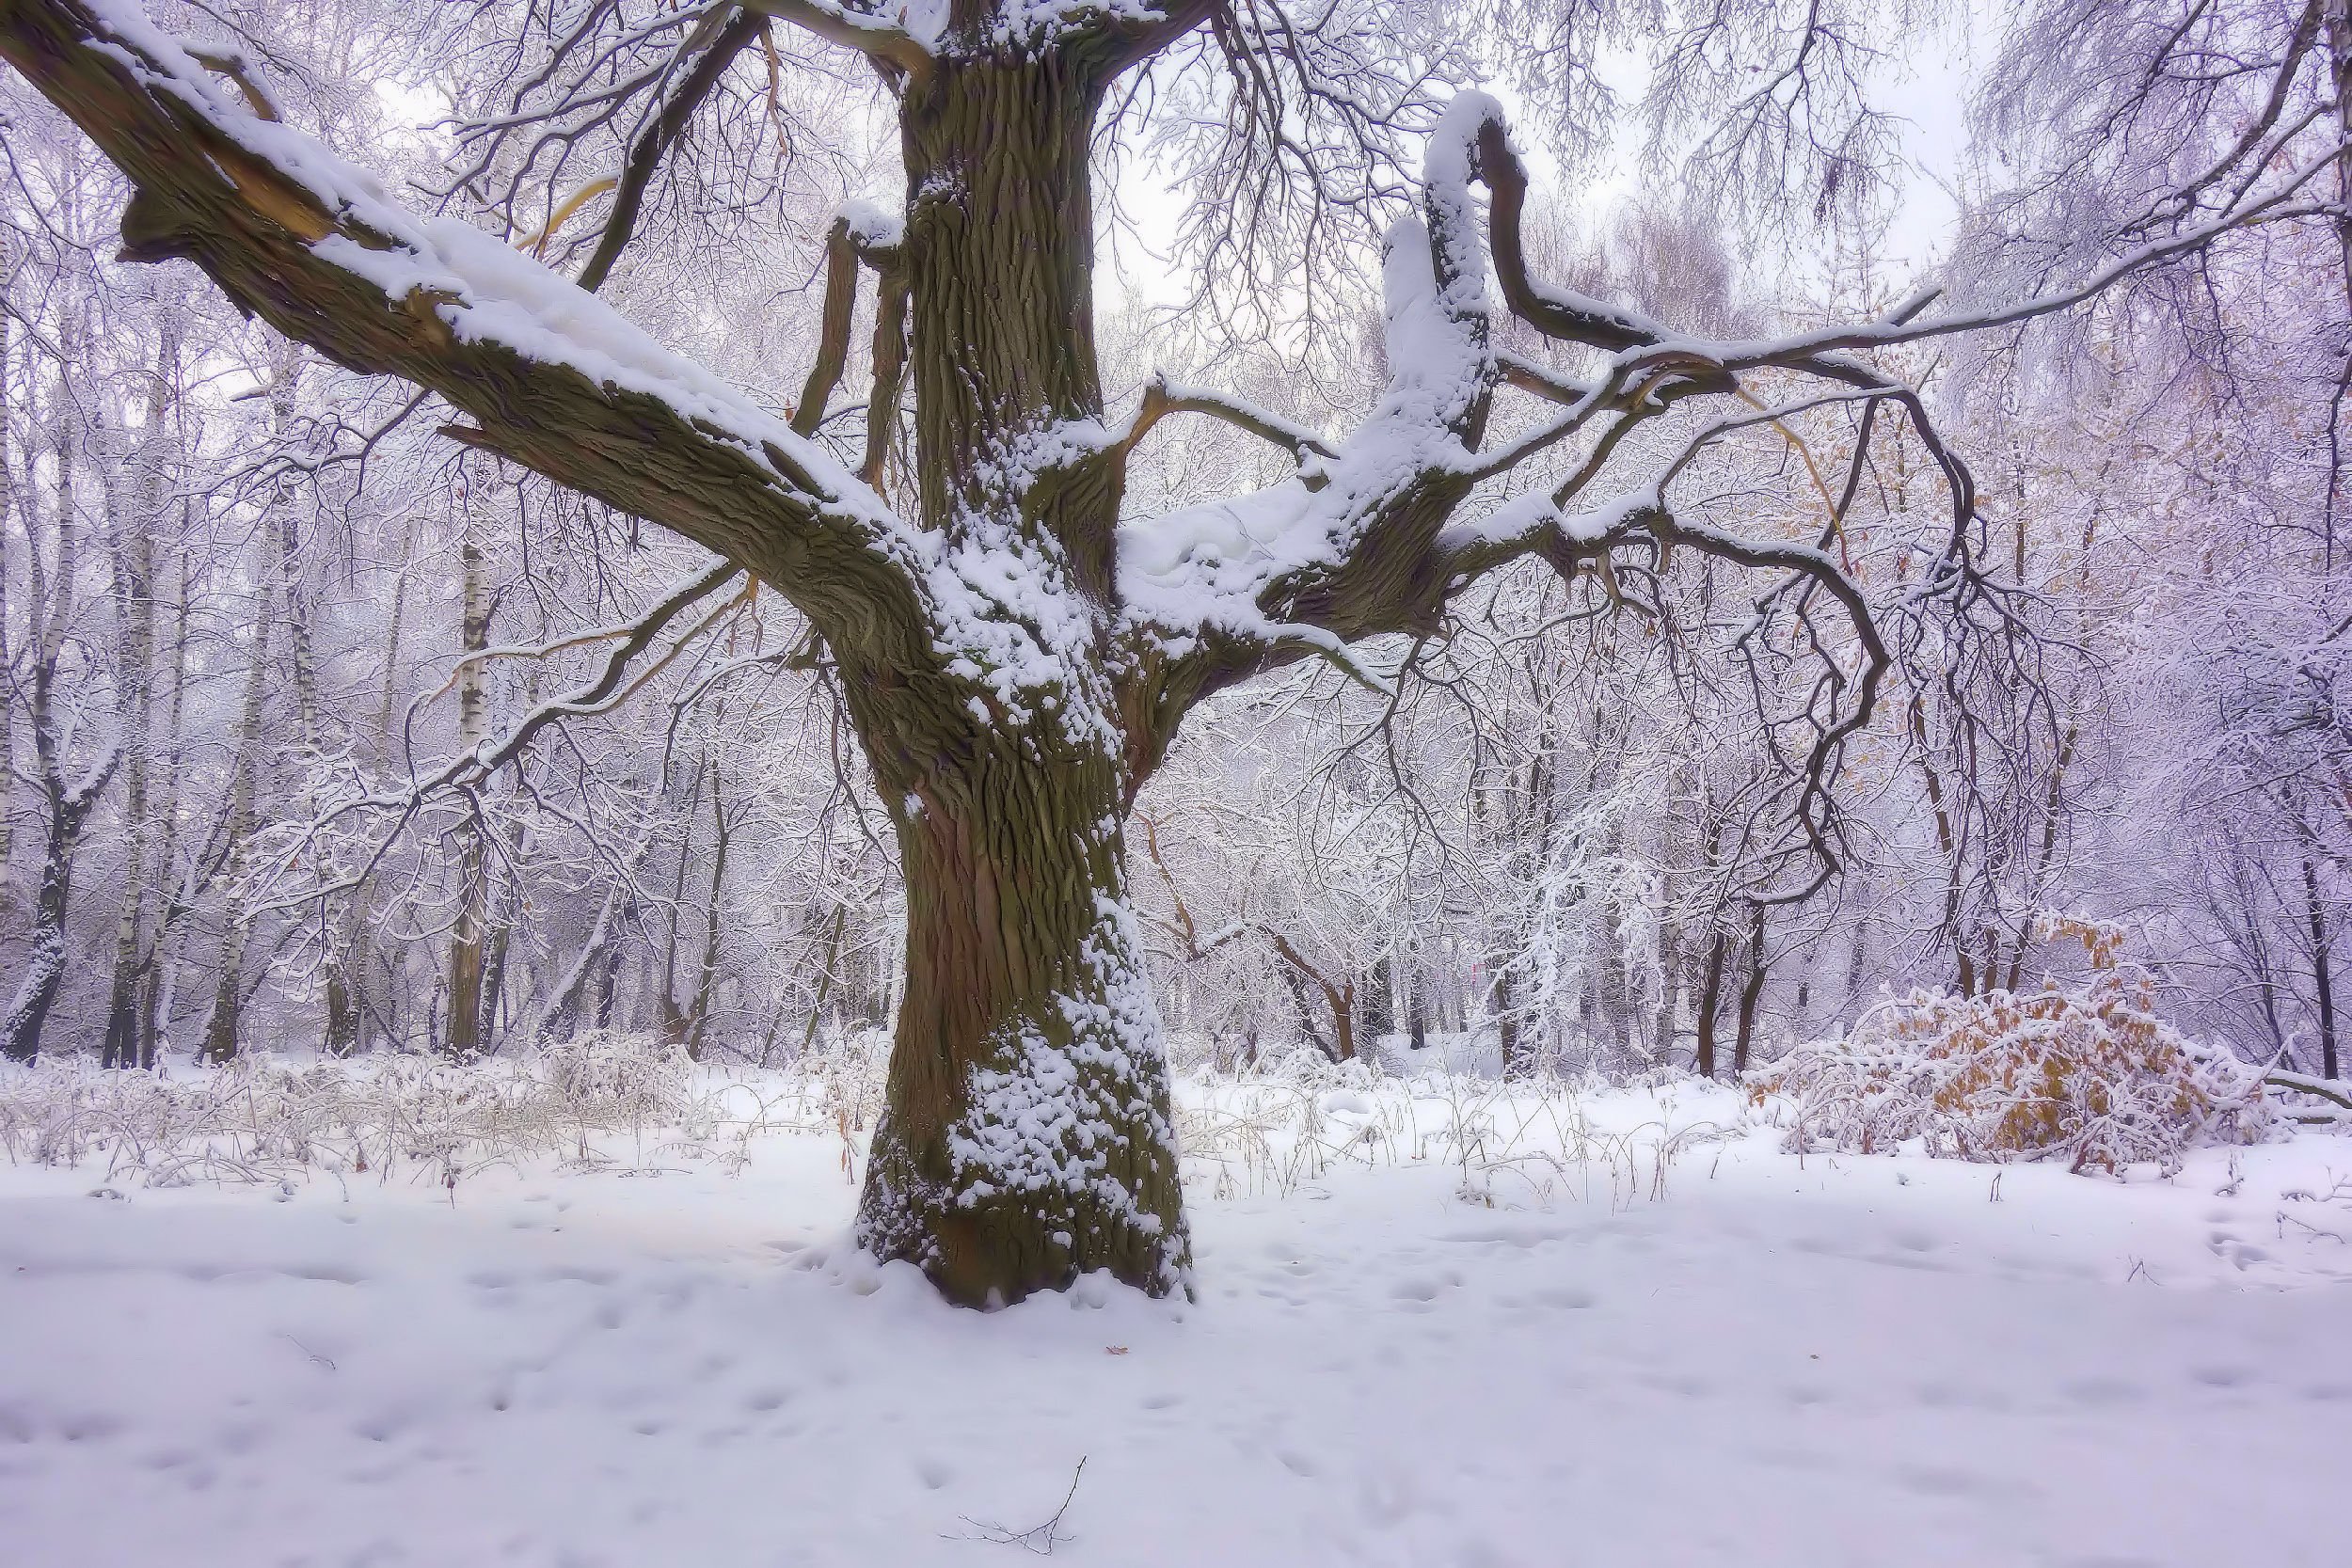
x=263, y=631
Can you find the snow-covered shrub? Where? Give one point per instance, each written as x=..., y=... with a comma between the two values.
x=2090, y=1075
x=839, y=1079
x=1305, y=1065
x=608, y=1077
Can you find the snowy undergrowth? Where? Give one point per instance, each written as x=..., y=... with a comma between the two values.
x=627, y=1103
x=609, y=1102
x=597, y=1102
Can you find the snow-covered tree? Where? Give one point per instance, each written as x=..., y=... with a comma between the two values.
x=1015, y=648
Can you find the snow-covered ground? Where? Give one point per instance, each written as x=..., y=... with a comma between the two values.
x=1684, y=1347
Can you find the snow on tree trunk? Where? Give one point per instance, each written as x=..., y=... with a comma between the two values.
x=1026, y=1136
x=44, y=958
x=68, y=804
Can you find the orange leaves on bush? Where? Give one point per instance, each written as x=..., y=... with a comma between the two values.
x=2090, y=1074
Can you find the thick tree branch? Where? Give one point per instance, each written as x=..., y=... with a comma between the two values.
x=886, y=43
x=833, y=340
x=1377, y=555
x=859, y=234
x=892, y=295
x=1130, y=41
x=554, y=380
x=233, y=64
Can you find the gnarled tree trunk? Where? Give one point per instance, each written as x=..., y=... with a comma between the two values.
x=1026, y=1136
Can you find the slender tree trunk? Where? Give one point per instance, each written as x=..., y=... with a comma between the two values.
x=2323, y=981
x=127, y=1043
x=1711, y=1000
x=2338, y=21
x=607, y=977
x=1947, y=840
x=44, y=963
x=1857, y=965
x=706, y=982
x=347, y=964
x=464, y=1034
x=674, y=1017
x=1339, y=996
x=498, y=944
x=1506, y=1023
x=1751, y=993
x=1616, y=985
x=7, y=703
x=1670, y=979
x=2339, y=28
x=163, y=968
x=53, y=606
x=224, y=1026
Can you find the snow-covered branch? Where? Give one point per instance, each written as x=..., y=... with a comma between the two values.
x=886, y=43
x=553, y=378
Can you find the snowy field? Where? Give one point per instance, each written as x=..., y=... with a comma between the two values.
x=1434, y=1327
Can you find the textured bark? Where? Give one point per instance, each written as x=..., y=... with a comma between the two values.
x=999, y=258
x=462, y=1037
x=1026, y=1138
x=128, y=1042
x=125, y=1044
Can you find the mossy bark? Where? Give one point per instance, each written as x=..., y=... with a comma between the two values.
x=1026, y=1138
